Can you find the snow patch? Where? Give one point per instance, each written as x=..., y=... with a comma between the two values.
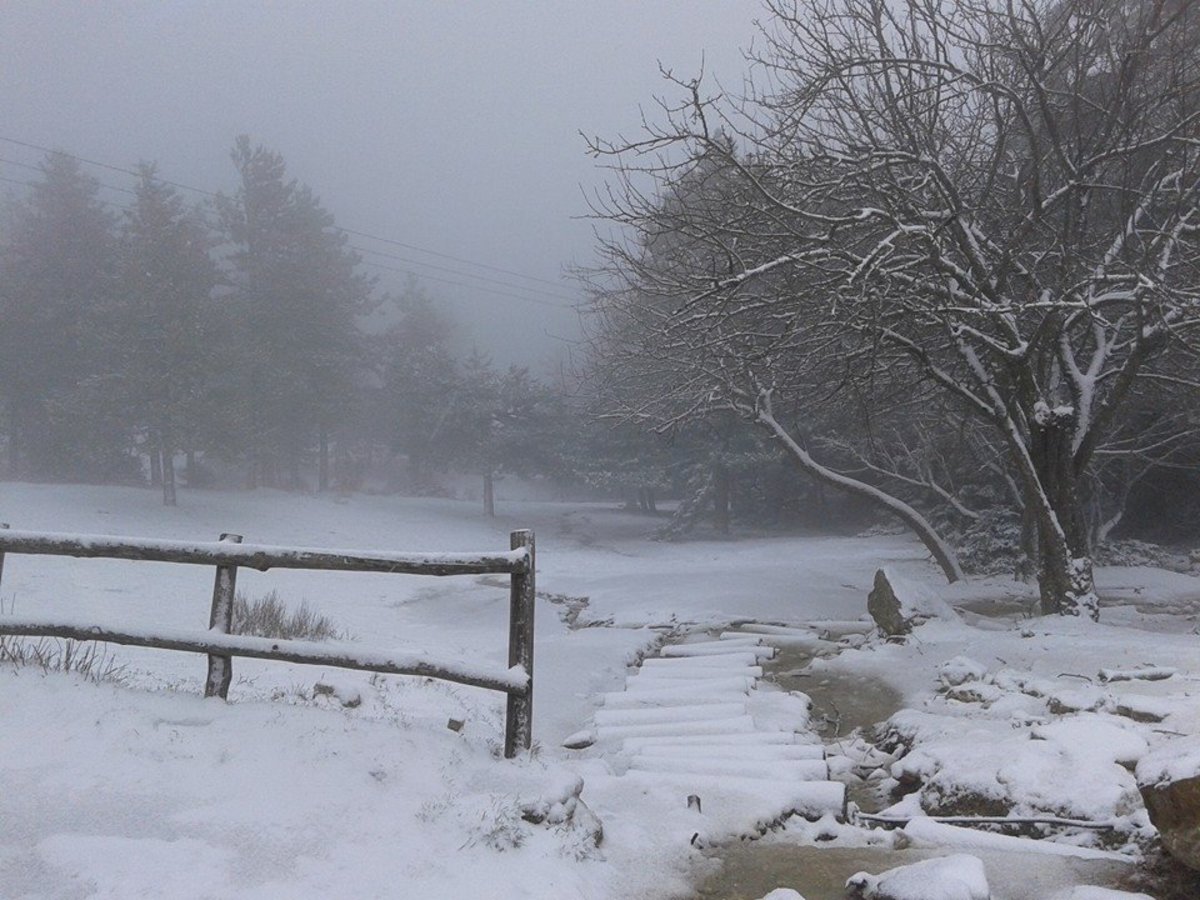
x=957, y=877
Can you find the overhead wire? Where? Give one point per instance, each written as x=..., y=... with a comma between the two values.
x=366, y=262
x=525, y=290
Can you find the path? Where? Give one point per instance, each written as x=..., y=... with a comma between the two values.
x=698, y=743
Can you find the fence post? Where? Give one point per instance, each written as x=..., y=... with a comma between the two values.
x=220, y=668
x=2, y=525
x=518, y=721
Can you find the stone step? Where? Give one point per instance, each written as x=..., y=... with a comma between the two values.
x=696, y=674
x=757, y=629
x=774, y=770
x=703, y=661
x=704, y=693
x=711, y=682
x=750, y=739
x=660, y=714
x=716, y=648
x=807, y=640
x=742, y=724
x=733, y=751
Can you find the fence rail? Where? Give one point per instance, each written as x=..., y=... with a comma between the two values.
x=220, y=646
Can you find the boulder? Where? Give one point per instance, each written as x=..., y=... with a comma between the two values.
x=1174, y=809
x=1169, y=780
x=897, y=605
x=886, y=608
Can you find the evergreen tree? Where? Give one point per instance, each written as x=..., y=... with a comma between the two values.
x=166, y=278
x=419, y=379
x=56, y=269
x=502, y=423
x=297, y=295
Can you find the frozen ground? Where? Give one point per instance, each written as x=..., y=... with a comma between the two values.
x=149, y=790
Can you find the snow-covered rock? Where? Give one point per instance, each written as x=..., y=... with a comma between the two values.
x=783, y=894
x=1169, y=779
x=960, y=670
x=897, y=604
x=1108, y=738
x=957, y=877
x=346, y=690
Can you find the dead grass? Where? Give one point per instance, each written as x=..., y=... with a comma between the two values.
x=87, y=659
x=268, y=616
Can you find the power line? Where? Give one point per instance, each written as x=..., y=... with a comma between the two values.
x=349, y=231
x=366, y=262
x=33, y=184
x=491, y=291
x=458, y=259
x=103, y=165
x=483, y=278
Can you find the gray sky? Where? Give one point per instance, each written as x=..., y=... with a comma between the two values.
x=449, y=125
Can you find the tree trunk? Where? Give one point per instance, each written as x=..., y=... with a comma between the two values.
x=721, y=494
x=1030, y=550
x=168, y=474
x=942, y=553
x=156, y=479
x=189, y=471
x=14, y=441
x=1065, y=581
x=323, y=462
x=489, y=495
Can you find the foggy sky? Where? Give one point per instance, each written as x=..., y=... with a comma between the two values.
x=449, y=125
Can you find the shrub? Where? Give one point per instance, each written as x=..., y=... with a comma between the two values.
x=268, y=616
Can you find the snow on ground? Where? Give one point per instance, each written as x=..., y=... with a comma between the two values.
x=149, y=790
x=1026, y=726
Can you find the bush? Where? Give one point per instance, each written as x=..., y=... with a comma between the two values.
x=268, y=616
x=989, y=545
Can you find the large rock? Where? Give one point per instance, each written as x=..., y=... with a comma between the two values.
x=1169, y=779
x=897, y=605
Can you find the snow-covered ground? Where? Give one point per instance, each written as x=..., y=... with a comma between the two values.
x=147, y=789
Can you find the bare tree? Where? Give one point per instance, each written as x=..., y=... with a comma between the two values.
x=994, y=203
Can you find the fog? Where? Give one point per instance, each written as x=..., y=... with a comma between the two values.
x=451, y=127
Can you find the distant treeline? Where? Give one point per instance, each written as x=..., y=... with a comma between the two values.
x=230, y=336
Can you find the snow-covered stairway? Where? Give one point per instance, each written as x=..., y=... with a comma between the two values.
x=696, y=723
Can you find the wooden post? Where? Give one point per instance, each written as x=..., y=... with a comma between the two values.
x=220, y=668
x=518, y=722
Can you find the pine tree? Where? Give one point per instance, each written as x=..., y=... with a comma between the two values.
x=297, y=295
x=419, y=379
x=55, y=374
x=167, y=278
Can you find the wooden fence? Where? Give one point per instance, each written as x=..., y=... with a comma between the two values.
x=230, y=553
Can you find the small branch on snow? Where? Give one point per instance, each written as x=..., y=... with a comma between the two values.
x=991, y=820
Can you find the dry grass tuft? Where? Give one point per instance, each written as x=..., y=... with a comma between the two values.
x=268, y=616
